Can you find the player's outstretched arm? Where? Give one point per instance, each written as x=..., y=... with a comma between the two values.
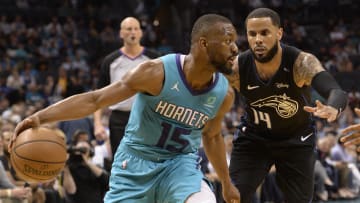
x=146, y=77
x=352, y=133
x=215, y=149
x=309, y=71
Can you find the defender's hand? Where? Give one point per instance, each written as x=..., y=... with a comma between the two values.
x=352, y=133
x=323, y=111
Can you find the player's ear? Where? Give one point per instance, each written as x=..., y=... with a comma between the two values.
x=202, y=42
x=280, y=33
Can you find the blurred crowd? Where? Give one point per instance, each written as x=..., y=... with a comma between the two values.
x=50, y=50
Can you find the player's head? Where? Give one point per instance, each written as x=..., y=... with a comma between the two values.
x=130, y=31
x=264, y=33
x=215, y=36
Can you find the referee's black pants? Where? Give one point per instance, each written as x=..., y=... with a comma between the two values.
x=117, y=123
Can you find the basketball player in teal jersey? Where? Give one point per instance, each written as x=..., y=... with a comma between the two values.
x=180, y=98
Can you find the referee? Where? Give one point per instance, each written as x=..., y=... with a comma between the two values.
x=113, y=68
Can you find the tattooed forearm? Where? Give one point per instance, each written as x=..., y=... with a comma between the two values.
x=234, y=77
x=234, y=80
x=306, y=67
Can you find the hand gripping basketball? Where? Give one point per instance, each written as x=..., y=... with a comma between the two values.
x=38, y=154
x=30, y=122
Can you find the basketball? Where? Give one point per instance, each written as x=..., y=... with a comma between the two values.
x=38, y=155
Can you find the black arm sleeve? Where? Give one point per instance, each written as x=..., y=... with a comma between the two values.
x=328, y=88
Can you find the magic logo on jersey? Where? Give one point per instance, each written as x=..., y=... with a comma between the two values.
x=182, y=114
x=285, y=106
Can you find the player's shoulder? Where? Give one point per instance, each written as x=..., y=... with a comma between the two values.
x=152, y=64
x=147, y=77
x=228, y=98
x=148, y=71
x=151, y=53
x=290, y=51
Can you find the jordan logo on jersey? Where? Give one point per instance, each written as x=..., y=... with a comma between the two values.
x=175, y=87
x=285, y=106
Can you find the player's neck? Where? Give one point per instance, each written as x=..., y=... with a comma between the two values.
x=198, y=78
x=132, y=50
x=268, y=69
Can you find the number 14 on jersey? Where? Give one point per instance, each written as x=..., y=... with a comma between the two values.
x=261, y=116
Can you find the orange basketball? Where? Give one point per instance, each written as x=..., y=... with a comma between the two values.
x=38, y=155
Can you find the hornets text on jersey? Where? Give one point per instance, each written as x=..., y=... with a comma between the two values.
x=170, y=123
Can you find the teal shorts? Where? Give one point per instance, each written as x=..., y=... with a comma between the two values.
x=135, y=179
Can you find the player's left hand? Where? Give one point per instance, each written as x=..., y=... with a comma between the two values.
x=230, y=193
x=323, y=111
x=352, y=133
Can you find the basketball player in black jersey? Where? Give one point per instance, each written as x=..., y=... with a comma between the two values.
x=274, y=80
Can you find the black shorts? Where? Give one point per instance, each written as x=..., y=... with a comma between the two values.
x=294, y=159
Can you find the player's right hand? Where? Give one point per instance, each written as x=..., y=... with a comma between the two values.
x=230, y=193
x=29, y=122
x=323, y=111
x=352, y=133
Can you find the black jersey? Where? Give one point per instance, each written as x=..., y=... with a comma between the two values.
x=274, y=108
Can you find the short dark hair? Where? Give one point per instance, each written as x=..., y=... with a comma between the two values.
x=203, y=24
x=263, y=13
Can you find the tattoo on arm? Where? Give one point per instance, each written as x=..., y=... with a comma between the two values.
x=234, y=77
x=234, y=80
x=305, y=68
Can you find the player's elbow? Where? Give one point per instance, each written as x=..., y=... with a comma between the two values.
x=210, y=138
x=95, y=99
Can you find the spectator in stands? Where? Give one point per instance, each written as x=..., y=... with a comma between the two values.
x=9, y=192
x=91, y=180
x=37, y=193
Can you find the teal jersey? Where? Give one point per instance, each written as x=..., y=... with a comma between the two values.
x=171, y=123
